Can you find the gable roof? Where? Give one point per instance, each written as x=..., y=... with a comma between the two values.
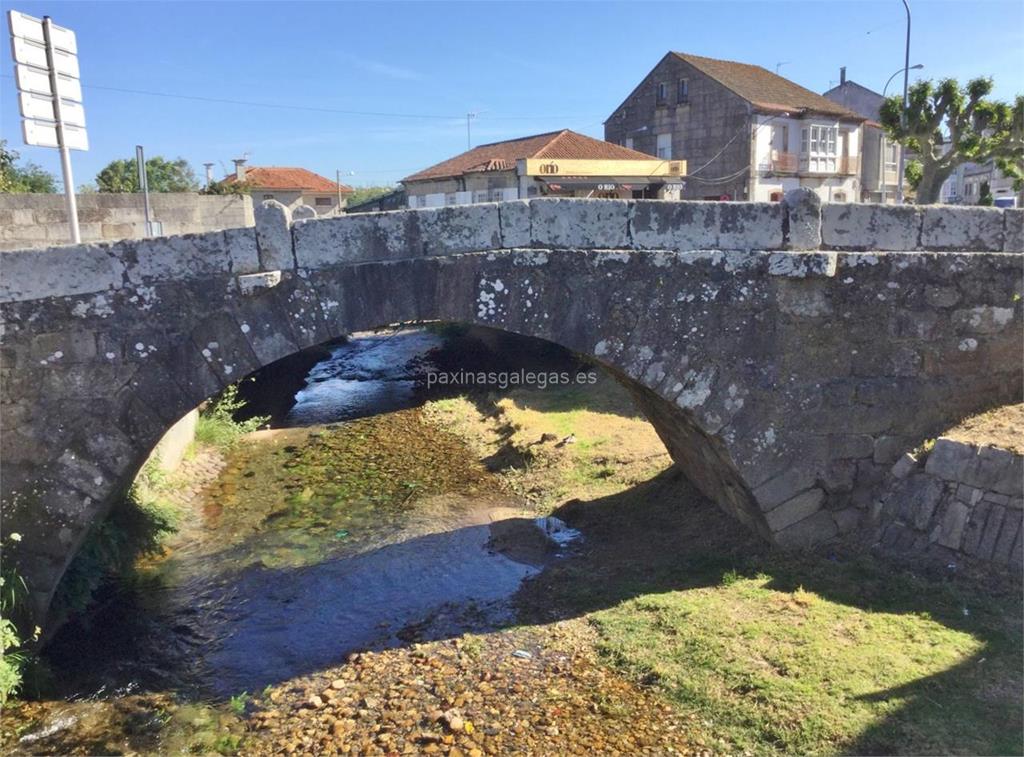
x=765, y=90
x=839, y=94
x=281, y=177
x=502, y=156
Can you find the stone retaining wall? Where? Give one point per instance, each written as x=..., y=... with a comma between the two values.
x=40, y=220
x=962, y=501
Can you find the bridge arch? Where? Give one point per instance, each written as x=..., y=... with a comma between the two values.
x=782, y=381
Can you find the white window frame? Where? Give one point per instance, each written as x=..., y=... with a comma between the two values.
x=819, y=145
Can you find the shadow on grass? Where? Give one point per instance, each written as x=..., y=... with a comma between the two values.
x=662, y=536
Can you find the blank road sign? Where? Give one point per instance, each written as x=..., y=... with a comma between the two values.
x=41, y=106
x=31, y=28
x=32, y=79
x=44, y=134
x=34, y=54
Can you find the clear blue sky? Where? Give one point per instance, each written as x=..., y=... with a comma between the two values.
x=527, y=66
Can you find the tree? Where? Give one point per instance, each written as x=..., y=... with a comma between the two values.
x=225, y=187
x=364, y=194
x=947, y=125
x=162, y=175
x=985, y=194
x=29, y=177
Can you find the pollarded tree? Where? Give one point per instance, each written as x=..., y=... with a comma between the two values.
x=162, y=175
x=948, y=125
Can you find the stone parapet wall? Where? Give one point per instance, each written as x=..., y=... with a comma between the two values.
x=40, y=220
x=959, y=502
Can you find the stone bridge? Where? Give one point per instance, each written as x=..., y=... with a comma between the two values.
x=787, y=353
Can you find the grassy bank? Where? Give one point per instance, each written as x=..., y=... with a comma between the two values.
x=763, y=653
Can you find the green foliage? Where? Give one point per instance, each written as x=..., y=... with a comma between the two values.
x=947, y=125
x=225, y=187
x=217, y=425
x=363, y=194
x=29, y=177
x=12, y=657
x=985, y=196
x=162, y=175
x=135, y=527
x=239, y=702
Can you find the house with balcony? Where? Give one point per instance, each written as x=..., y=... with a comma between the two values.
x=747, y=133
x=555, y=164
x=879, y=167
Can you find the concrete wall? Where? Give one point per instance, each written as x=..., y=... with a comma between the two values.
x=39, y=220
x=171, y=449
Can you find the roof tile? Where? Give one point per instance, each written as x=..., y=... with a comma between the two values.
x=281, y=177
x=502, y=156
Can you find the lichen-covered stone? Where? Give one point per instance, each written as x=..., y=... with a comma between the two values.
x=803, y=219
x=274, y=235
x=863, y=226
x=953, y=227
x=659, y=224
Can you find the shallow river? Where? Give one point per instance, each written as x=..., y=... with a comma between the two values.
x=358, y=526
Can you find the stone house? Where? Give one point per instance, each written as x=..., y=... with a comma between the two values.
x=291, y=187
x=747, y=133
x=559, y=163
x=879, y=169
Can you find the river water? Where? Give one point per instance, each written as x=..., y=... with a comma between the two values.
x=357, y=525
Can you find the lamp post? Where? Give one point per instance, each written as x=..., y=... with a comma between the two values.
x=885, y=89
x=903, y=115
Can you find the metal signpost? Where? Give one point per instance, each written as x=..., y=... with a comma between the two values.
x=50, y=94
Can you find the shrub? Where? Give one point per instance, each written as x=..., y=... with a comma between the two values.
x=217, y=425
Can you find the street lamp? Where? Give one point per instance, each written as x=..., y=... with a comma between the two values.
x=885, y=89
x=897, y=73
x=903, y=115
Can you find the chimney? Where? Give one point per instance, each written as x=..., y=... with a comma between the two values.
x=842, y=75
x=239, y=169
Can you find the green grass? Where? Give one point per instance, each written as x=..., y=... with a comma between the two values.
x=773, y=668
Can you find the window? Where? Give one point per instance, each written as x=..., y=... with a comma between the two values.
x=324, y=202
x=891, y=156
x=449, y=198
x=839, y=197
x=268, y=197
x=629, y=143
x=662, y=93
x=683, y=91
x=818, y=148
x=665, y=146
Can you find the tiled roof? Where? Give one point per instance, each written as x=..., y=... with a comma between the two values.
x=764, y=89
x=280, y=177
x=501, y=156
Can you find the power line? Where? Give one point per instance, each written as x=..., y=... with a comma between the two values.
x=308, y=108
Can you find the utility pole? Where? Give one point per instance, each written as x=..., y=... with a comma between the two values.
x=469, y=137
x=337, y=177
x=209, y=174
x=903, y=115
x=140, y=161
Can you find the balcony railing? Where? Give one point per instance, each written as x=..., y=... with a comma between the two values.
x=849, y=165
x=784, y=162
